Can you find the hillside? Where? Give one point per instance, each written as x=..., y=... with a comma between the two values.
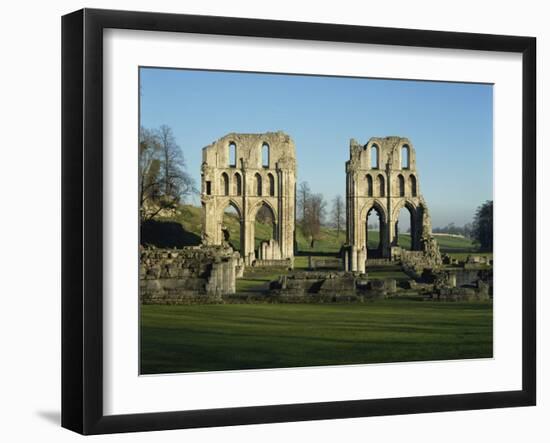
x=184, y=228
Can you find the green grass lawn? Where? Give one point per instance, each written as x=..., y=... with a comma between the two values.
x=257, y=279
x=246, y=336
x=387, y=272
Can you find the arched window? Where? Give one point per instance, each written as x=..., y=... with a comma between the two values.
x=369, y=185
x=374, y=157
x=271, y=185
x=237, y=183
x=405, y=157
x=224, y=184
x=258, y=184
x=381, y=185
x=265, y=155
x=412, y=185
x=401, y=184
x=232, y=155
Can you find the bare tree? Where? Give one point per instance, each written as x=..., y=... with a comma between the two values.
x=304, y=194
x=314, y=217
x=164, y=182
x=338, y=213
x=149, y=173
x=177, y=183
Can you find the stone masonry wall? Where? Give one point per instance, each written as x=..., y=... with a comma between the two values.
x=188, y=275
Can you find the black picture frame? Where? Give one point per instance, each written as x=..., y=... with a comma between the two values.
x=82, y=215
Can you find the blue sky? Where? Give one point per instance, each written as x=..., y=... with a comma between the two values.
x=449, y=124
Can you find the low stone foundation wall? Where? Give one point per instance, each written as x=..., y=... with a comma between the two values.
x=286, y=263
x=315, y=287
x=378, y=262
x=333, y=263
x=479, y=292
x=454, y=286
x=188, y=275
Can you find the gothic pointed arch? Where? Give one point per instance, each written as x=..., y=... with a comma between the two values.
x=369, y=186
x=258, y=184
x=381, y=185
x=237, y=184
x=271, y=184
x=224, y=184
x=412, y=185
x=401, y=185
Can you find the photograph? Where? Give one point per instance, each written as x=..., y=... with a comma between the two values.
x=290, y=220
x=271, y=222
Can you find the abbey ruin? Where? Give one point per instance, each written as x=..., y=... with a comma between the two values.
x=257, y=172
x=251, y=172
x=381, y=176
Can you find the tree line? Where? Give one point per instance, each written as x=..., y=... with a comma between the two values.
x=480, y=229
x=453, y=229
x=163, y=179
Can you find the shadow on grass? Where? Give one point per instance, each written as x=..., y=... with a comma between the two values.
x=167, y=234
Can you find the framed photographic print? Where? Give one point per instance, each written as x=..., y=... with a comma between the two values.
x=269, y=221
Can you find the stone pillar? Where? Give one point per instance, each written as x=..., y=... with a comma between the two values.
x=452, y=280
x=353, y=254
x=228, y=277
x=361, y=259
x=345, y=252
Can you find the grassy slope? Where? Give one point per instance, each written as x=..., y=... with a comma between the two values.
x=191, y=219
x=225, y=337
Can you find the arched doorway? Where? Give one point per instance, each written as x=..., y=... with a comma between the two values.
x=231, y=227
x=405, y=233
x=375, y=231
x=264, y=226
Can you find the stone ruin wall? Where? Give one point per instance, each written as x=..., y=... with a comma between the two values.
x=381, y=176
x=188, y=275
x=336, y=286
x=206, y=273
x=233, y=173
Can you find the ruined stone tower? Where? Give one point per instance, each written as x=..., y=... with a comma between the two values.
x=381, y=176
x=250, y=172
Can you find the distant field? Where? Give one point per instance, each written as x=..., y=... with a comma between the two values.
x=244, y=336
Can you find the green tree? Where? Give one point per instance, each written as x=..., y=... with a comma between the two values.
x=482, y=229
